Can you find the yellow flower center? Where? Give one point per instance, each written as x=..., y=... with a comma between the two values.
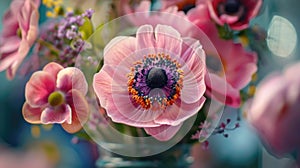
x=56, y=99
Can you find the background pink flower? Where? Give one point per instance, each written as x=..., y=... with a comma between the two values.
x=235, y=13
x=20, y=29
x=274, y=111
x=141, y=15
x=56, y=95
x=154, y=81
x=232, y=69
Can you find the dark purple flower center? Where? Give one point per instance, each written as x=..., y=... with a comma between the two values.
x=232, y=6
x=155, y=79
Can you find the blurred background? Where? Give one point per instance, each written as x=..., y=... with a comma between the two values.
x=25, y=145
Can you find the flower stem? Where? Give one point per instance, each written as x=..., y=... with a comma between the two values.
x=48, y=45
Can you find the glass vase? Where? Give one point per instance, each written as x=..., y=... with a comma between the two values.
x=177, y=156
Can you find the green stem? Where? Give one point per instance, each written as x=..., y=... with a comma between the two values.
x=49, y=46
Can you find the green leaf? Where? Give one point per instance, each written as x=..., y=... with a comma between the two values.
x=86, y=29
x=225, y=32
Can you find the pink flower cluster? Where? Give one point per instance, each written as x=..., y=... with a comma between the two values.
x=155, y=80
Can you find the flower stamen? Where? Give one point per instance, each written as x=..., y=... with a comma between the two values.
x=157, y=79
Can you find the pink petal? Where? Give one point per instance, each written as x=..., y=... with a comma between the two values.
x=193, y=58
x=38, y=88
x=213, y=14
x=57, y=115
x=163, y=132
x=144, y=6
x=80, y=111
x=145, y=37
x=102, y=85
x=137, y=117
x=10, y=24
x=53, y=68
x=33, y=27
x=179, y=112
x=229, y=19
x=22, y=52
x=254, y=6
x=241, y=76
x=192, y=90
x=10, y=45
x=269, y=97
x=6, y=62
x=194, y=71
x=200, y=12
x=126, y=111
x=168, y=39
x=220, y=90
x=71, y=78
x=118, y=49
x=291, y=71
x=31, y=115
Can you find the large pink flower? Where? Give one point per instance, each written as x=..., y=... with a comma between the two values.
x=56, y=95
x=20, y=29
x=235, y=13
x=232, y=69
x=274, y=111
x=154, y=81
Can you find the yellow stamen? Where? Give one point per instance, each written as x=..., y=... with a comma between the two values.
x=56, y=99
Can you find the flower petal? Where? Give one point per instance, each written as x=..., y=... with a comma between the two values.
x=179, y=112
x=193, y=66
x=33, y=27
x=118, y=49
x=102, y=85
x=135, y=116
x=168, y=39
x=38, y=88
x=163, y=132
x=71, y=78
x=31, y=115
x=80, y=111
x=218, y=89
x=59, y=115
x=145, y=37
x=22, y=52
x=229, y=19
x=53, y=68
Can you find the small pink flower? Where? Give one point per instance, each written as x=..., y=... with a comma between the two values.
x=20, y=29
x=230, y=71
x=274, y=111
x=56, y=95
x=154, y=80
x=235, y=13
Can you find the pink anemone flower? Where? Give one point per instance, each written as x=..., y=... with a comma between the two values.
x=56, y=95
x=274, y=111
x=235, y=13
x=153, y=81
x=232, y=69
x=20, y=29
